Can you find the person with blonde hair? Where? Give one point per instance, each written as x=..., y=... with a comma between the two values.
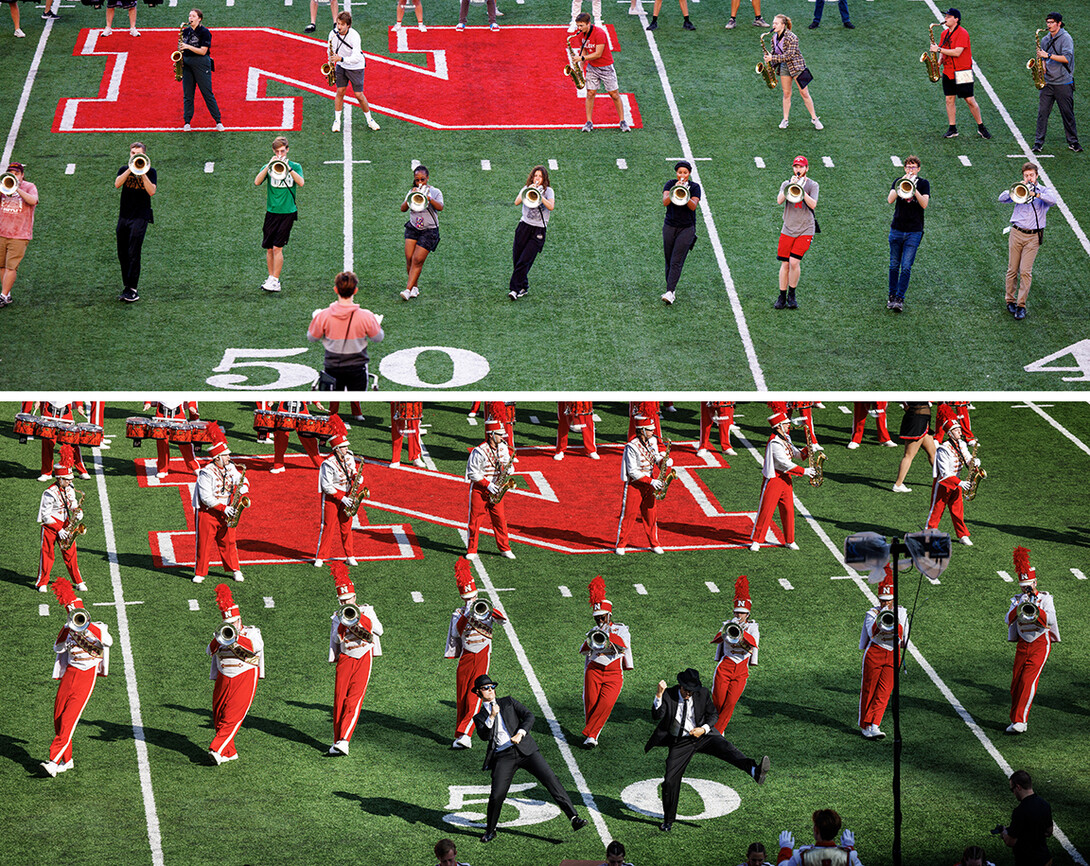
x=791, y=67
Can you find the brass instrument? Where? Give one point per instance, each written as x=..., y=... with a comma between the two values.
x=279, y=169
x=666, y=474
x=1036, y=64
x=532, y=195
x=976, y=475
x=77, y=628
x=176, y=57
x=139, y=164
x=732, y=633
x=72, y=526
x=8, y=183
x=417, y=199
x=1028, y=611
x=504, y=482
x=227, y=637
x=480, y=614
x=238, y=500
x=1022, y=192
x=795, y=190
x=349, y=615
x=680, y=194
x=906, y=187
x=574, y=69
x=765, y=69
x=934, y=65
x=815, y=458
x=598, y=640
x=887, y=621
x=357, y=492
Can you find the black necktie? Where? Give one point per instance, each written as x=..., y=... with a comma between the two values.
x=684, y=716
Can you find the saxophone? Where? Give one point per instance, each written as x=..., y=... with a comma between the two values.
x=816, y=459
x=1036, y=64
x=504, y=482
x=666, y=474
x=176, y=57
x=765, y=69
x=934, y=67
x=72, y=526
x=573, y=69
x=357, y=492
x=238, y=500
x=976, y=475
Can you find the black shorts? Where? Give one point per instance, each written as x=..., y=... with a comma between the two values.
x=914, y=427
x=277, y=229
x=426, y=238
x=344, y=77
x=952, y=88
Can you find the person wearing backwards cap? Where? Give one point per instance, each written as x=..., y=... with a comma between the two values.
x=351, y=646
x=957, y=73
x=797, y=233
x=776, y=489
x=735, y=651
x=83, y=654
x=16, y=219
x=827, y=824
x=237, y=664
x=58, y=508
x=336, y=478
x=641, y=456
x=505, y=724
x=216, y=482
x=1034, y=629
x=946, y=484
x=877, y=642
x=686, y=719
x=603, y=675
x=1058, y=51
x=488, y=467
x=469, y=639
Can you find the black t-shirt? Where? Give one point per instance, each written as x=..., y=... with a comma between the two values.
x=681, y=215
x=1031, y=823
x=199, y=38
x=908, y=213
x=135, y=201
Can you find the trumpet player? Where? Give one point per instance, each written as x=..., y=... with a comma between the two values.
x=217, y=481
x=58, y=514
x=946, y=485
x=345, y=50
x=777, y=471
x=421, y=231
x=338, y=475
x=352, y=645
x=1031, y=624
x=680, y=197
x=133, y=217
x=16, y=225
x=531, y=229
x=797, y=233
x=1027, y=233
x=281, y=210
x=83, y=654
x=195, y=44
x=909, y=196
x=1057, y=49
x=877, y=640
x=489, y=465
x=641, y=456
x=238, y=662
x=605, y=664
x=735, y=650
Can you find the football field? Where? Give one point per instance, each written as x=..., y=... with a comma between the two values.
x=143, y=789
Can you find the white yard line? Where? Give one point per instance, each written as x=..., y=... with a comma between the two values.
x=24, y=98
x=346, y=125
x=155, y=840
x=1082, y=446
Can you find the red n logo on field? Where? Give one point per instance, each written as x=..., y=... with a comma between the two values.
x=469, y=80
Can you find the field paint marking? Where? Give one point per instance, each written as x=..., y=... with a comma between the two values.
x=757, y=161
x=622, y=164
x=550, y=717
x=155, y=840
x=785, y=583
x=349, y=233
x=1078, y=442
x=706, y=211
x=209, y=167
x=564, y=593
x=1006, y=577
x=70, y=168
x=932, y=674
x=418, y=597
x=194, y=604
x=268, y=599
x=24, y=98
x=711, y=586
x=640, y=588
x=896, y=160
x=964, y=159
x=1078, y=574
x=43, y=610
x=827, y=161
x=553, y=165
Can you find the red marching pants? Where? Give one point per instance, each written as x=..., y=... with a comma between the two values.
x=45, y=560
x=943, y=493
x=859, y=421
x=407, y=429
x=335, y=517
x=563, y=425
x=478, y=505
x=162, y=456
x=876, y=685
x=1029, y=661
x=775, y=493
x=601, y=688
x=47, y=458
x=280, y=448
x=212, y=529
x=72, y=695
x=349, y=688
x=646, y=511
x=231, y=699
x=730, y=682
x=470, y=666
x=726, y=418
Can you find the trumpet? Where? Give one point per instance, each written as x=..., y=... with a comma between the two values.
x=480, y=610
x=329, y=70
x=765, y=69
x=79, y=621
x=732, y=633
x=176, y=57
x=77, y=631
x=1036, y=64
x=795, y=190
x=906, y=188
x=226, y=635
x=680, y=194
x=1028, y=612
x=598, y=640
x=573, y=70
x=279, y=169
x=349, y=615
x=532, y=195
x=8, y=183
x=1022, y=192
x=934, y=66
x=417, y=199
x=887, y=621
x=139, y=164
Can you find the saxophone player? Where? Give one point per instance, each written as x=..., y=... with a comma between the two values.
x=489, y=465
x=1034, y=629
x=735, y=650
x=217, y=481
x=641, y=455
x=777, y=472
x=946, y=485
x=195, y=43
x=338, y=476
x=345, y=50
x=1057, y=50
x=58, y=511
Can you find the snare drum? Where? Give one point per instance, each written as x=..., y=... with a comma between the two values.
x=179, y=431
x=264, y=420
x=287, y=420
x=89, y=434
x=24, y=424
x=159, y=428
x=67, y=434
x=200, y=431
x=136, y=428
x=46, y=428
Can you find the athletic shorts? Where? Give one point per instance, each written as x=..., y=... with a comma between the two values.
x=12, y=251
x=602, y=78
x=277, y=229
x=426, y=238
x=952, y=88
x=344, y=77
x=790, y=247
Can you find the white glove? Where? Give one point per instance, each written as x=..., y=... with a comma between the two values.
x=63, y=535
x=229, y=512
x=964, y=485
x=380, y=317
x=492, y=488
x=656, y=484
x=847, y=839
x=79, y=515
x=976, y=461
x=816, y=447
x=787, y=840
x=808, y=472
x=669, y=461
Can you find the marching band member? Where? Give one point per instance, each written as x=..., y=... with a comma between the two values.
x=575, y=415
x=827, y=824
x=776, y=489
x=281, y=210
x=422, y=229
x=134, y=214
x=721, y=414
x=877, y=642
x=469, y=639
x=65, y=414
x=961, y=408
x=877, y=410
x=797, y=232
x=946, y=484
x=59, y=514
x=1031, y=623
x=280, y=438
x=791, y=67
x=405, y=418
x=641, y=455
x=679, y=224
x=503, y=412
x=603, y=674
x=598, y=68
x=644, y=410
x=906, y=230
x=195, y=43
x=734, y=655
x=16, y=215
x=339, y=476
x=577, y=7
x=1027, y=231
x=218, y=482
x=176, y=412
x=238, y=662
x=957, y=72
x=345, y=50
x=353, y=640
x=83, y=654
x=531, y=229
x=487, y=469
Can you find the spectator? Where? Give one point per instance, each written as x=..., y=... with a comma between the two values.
x=1031, y=824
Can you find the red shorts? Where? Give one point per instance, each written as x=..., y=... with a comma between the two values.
x=793, y=247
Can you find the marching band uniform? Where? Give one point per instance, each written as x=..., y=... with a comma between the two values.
x=721, y=414
x=876, y=684
x=1034, y=638
x=211, y=498
x=961, y=409
x=732, y=660
x=641, y=454
x=639, y=410
x=504, y=413
x=806, y=412
x=603, y=675
x=62, y=412
x=280, y=438
x=236, y=677
x=823, y=852
x=335, y=480
x=776, y=489
x=405, y=425
x=470, y=641
x=860, y=411
x=352, y=654
x=487, y=465
x=58, y=504
x=81, y=659
x=946, y=485
x=177, y=412
x=575, y=415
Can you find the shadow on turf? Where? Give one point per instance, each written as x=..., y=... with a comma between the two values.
x=273, y=727
x=112, y=732
x=12, y=749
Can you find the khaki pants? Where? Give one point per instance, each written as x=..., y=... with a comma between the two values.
x=1023, y=250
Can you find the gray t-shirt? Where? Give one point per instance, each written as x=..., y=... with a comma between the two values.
x=798, y=219
x=1056, y=72
x=427, y=218
x=538, y=216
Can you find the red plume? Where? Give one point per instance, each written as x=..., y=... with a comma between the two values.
x=778, y=406
x=223, y=596
x=68, y=456
x=741, y=588
x=338, y=425
x=338, y=569
x=216, y=432
x=62, y=588
x=462, y=572
x=945, y=415
x=597, y=589
x=1021, y=560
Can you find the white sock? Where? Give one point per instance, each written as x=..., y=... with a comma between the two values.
x=337, y=116
x=367, y=114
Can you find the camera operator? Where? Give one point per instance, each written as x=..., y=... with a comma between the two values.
x=1030, y=826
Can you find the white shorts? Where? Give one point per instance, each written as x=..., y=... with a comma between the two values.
x=601, y=78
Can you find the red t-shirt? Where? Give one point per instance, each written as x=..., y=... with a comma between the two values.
x=597, y=36
x=16, y=216
x=956, y=38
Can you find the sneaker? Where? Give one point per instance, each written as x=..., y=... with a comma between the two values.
x=571, y=26
x=238, y=576
x=982, y=131
x=590, y=743
x=966, y=540
x=198, y=578
x=889, y=443
x=1020, y=313
x=133, y=31
x=781, y=302
x=1076, y=147
x=276, y=470
x=1016, y=728
x=508, y=554
x=272, y=284
x=901, y=488
x=760, y=22
x=898, y=306
x=952, y=132
x=1037, y=148
x=419, y=463
x=49, y=767
x=219, y=127
x=625, y=127
x=594, y=455
x=731, y=24
x=657, y=549
x=216, y=757
x=792, y=304
x=397, y=27
x=493, y=26
x=654, y=25
x=19, y=34
x=45, y=477
x=783, y=123
x=848, y=25
x=336, y=125
x=106, y=31
x=82, y=586
x=499, y=14
x=318, y=563
x=473, y=556
x=793, y=546
x=47, y=15
x=513, y=295
x=310, y=28
x=619, y=551
x=889, y=304
x=187, y=128
x=351, y=560
x=755, y=547
x=522, y=293
x=462, y=742
x=421, y=27
x=817, y=123
x=587, y=127
x=868, y=732
x=65, y=767
x=43, y=588
x=414, y=292
x=460, y=26
x=559, y=455
x=688, y=25
x=5, y=300
x=668, y=297
x=852, y=446
x=129, y=296
x=814, y=25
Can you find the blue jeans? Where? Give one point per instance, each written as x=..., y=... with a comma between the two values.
x=819, y=7
x=902, y=253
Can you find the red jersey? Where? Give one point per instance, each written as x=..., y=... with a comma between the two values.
x=956, y=38
x=596, y=36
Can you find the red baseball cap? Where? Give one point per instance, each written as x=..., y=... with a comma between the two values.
x=801, y=160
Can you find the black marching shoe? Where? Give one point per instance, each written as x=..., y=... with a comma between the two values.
x=665, y=826
x=578, y=823
x=792, y=304
x=814, y=25
x=654, y=25
x=1011, y=308
x=1037, y=148
x=849, y=25
x=688, y=25
x=489, y=836
x=781, y=302
x=952, y=132
x=1019, y=313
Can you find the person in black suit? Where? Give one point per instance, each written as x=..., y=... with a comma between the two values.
x=686, y=717
x=506, y=724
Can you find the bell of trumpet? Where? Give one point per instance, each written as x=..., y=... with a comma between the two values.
x=794, y=192
x=906, y=188
x=480, y=609
x=139, y=164
x=732, y=633
x=79, y=621
x=8, y=183
x=417, y=200
x=532, y=196
x=1021, y=192
x=1028, y=612
x=887, y=621
x=278, y=169
x=226, y=635
x=598, y=639
x=680, y=194
x=349, y=614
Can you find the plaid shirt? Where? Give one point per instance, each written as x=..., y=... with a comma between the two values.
x=789, y=44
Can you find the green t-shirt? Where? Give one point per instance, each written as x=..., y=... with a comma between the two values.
x=280, y=195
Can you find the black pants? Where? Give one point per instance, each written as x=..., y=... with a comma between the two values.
x=529, y=241
x=350, y=378
x=503, y=770
x=197, y=72
x=1064, y=96
x=130, y=238
x=676, y=243
x=678, y=759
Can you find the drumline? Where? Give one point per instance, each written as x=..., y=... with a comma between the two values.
x=303, y=423
x=56, y=429
x=138, y=428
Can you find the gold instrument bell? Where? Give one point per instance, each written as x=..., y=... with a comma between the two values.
x=680, y=194
x=139, y=164
x=8, y=183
